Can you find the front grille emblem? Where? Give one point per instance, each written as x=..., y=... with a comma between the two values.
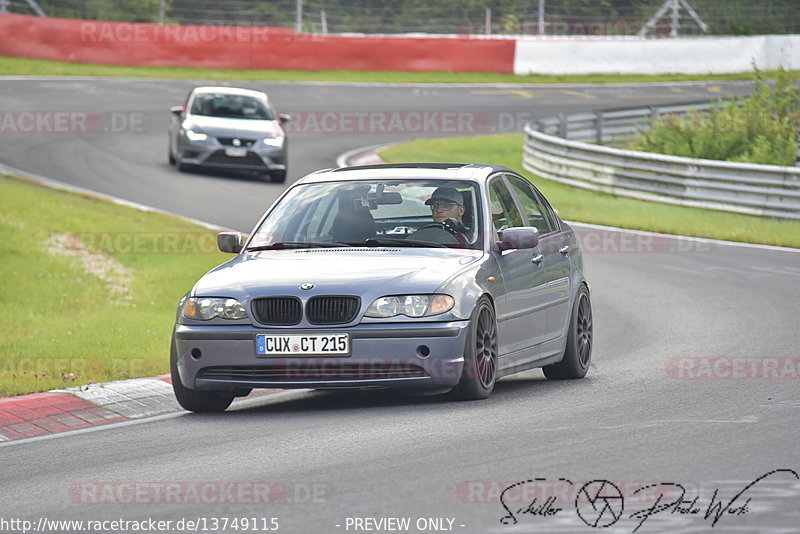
x=237, y=142
x=307, y=286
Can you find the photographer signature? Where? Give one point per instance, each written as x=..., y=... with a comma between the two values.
x=600, y=503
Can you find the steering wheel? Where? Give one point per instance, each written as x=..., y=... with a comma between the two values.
x=450, y=225
x=438, y=225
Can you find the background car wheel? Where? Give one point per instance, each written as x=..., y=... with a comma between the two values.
x=191, y=399
x=480, y=359
x=277, y=177
x=578, y=352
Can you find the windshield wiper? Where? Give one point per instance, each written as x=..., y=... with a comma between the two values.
x=377, y=241
x=281, y=245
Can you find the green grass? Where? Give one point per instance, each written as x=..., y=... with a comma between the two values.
x=601, y=208
x=58, y=318
x=36, y=67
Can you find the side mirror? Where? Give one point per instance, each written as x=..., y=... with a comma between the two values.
x=177, y=111
x=519, y=238
x=283, y=118
x=230, y=242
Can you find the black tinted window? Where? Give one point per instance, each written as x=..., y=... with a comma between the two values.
x=504, y=212
x=230, y=106
x=536, y=210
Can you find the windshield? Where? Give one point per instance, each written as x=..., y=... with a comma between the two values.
x=386, y=212
x=230, y=106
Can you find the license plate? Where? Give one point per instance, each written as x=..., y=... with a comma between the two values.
x=303, y=345
x=236, y=152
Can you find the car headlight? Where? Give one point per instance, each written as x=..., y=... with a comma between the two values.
x=276, y=140
x=193, y=135
x=410, y=305
x=205, y=309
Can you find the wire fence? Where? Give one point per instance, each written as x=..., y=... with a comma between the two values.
x=570, y=18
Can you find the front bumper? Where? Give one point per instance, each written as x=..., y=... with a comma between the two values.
x=224, y=358
x=211, y=154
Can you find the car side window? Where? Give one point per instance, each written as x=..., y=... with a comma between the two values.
x=534, y=207
x=504, y=211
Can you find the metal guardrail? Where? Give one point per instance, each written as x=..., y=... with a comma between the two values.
x=568, y=149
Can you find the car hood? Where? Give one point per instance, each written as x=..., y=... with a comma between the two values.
x=366, y=272
x=220, y=126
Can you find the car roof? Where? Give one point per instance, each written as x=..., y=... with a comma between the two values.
x=228, y=91
x=429, y=171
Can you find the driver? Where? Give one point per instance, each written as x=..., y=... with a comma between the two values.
x=447, y=210
x=446, y=203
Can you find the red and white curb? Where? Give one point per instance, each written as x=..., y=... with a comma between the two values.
x=54, y=411
x=60, y=410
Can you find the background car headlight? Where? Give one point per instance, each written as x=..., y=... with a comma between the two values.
x=275, y=141
x=193, y=135
x=206, y=309
x=410, y=305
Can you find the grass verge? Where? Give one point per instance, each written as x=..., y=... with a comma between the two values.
x=36, y=67
x=601, y=208
x=89, y=287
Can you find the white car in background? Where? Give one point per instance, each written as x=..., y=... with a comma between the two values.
x=228, y=128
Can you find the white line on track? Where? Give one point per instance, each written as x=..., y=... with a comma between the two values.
x=55, y=184
x=240, y=404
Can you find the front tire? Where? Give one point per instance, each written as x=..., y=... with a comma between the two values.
x=578, y=352
x=277, y=177
x=480, y=359
x=192, y=399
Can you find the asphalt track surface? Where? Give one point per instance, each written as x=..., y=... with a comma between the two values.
x=694, y=377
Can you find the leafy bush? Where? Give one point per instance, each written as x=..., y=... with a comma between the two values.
x=761, y=128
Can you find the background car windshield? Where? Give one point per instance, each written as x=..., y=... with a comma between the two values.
x=353, y=212
x=231, y=106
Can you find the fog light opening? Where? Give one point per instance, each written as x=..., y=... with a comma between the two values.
x=423, y=351
x=196, y=353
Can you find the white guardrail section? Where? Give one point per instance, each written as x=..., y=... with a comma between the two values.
x=563, y=149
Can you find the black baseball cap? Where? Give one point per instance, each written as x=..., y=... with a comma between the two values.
x=446, y=193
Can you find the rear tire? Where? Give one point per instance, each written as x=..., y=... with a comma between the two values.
x=192, y=399
x=578, y=352
x=480, y=357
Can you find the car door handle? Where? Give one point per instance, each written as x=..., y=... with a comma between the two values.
x=537, y=259
x=565, y=249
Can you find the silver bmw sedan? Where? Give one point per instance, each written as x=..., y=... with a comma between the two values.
x=435, y=276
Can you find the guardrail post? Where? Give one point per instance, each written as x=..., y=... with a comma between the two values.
x=599, y=126
x=655, y=114
x=797, y=156
x=562, y=125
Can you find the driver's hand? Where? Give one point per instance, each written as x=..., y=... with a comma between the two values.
x=454, y=226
